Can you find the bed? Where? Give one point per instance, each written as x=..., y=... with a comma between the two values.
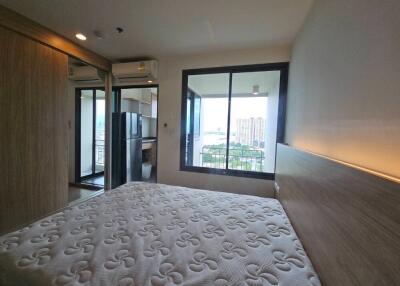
x=154, y=234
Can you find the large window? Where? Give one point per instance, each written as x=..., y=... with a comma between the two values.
x=232, y=118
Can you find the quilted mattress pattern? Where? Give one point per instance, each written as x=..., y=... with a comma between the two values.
x=153, y=234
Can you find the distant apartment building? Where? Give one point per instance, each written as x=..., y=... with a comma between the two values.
x=251, y=131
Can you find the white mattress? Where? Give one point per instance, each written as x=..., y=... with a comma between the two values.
x=152, y=234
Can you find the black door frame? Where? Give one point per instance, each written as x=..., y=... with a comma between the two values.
x=116, y=93
x=78, y=94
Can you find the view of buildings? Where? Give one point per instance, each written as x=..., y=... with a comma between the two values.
x=251, y=131
x=246, y=147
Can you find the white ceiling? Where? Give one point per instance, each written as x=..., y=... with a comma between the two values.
x=156, y=28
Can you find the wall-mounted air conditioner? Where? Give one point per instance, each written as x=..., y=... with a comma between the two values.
x=136, y=71
x=85, y=74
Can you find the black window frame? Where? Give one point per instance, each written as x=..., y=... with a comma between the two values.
x=283, y=67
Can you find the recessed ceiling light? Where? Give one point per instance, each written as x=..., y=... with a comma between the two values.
x=81, y=37
x=149, y=81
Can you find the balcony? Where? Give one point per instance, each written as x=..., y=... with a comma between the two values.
x=244, y=159
x=99, y=154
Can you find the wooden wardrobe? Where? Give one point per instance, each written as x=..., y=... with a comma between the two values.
x=33, y=130
x=33, y=122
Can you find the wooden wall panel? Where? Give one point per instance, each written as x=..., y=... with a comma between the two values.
x=33, y=128
x=348, y=220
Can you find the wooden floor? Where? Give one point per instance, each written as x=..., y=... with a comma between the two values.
x=97, y=181
x=76, y=194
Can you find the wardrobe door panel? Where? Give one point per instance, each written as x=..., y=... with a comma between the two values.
x=33, y=130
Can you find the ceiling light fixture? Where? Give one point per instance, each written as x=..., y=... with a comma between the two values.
x=81, y=37
x=149, y=81
x=256, y=89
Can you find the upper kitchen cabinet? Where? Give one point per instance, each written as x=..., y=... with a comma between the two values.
x=154, y=104
x=139, y=100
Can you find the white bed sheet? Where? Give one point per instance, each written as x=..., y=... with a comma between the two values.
x=153, y=234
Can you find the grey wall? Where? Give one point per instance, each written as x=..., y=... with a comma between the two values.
x=344, y=92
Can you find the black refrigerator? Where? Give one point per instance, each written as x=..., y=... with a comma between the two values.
x=126, y=148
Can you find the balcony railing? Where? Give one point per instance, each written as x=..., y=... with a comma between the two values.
x=239, y=158
x=99, y=152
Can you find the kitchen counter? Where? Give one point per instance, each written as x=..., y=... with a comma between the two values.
x=149, y=144
x=149, y=139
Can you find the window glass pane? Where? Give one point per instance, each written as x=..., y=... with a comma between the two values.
x=86, y=132
x=189, y=139
x=207, y=120
x=253, y=123
x=100, y=130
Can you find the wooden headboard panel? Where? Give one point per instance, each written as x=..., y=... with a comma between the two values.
x=348, y=220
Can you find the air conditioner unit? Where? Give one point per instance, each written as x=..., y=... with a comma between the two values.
x=85, y=74
x=136, y=71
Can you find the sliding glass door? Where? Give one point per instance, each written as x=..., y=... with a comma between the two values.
x=90, y=133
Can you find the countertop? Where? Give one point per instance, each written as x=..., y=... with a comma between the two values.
x=149, y=139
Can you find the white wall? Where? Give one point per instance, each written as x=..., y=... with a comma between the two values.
x=170, y=85
x=170, y=80
x=344, y=92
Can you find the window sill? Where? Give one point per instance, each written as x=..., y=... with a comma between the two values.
x=224, y=172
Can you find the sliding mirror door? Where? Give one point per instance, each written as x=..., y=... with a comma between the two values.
x=90, y=107
x=86, y=130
